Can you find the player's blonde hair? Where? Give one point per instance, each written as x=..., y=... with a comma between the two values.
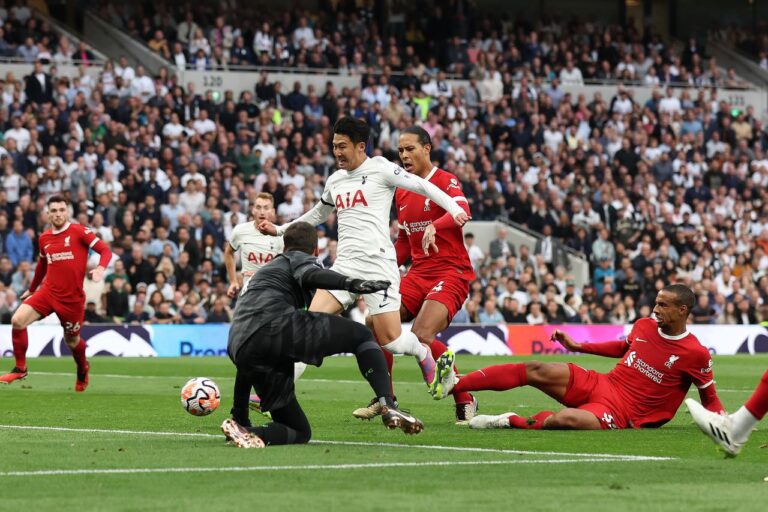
x=266, y=196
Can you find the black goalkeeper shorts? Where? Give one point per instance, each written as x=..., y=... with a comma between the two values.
x=267, y=357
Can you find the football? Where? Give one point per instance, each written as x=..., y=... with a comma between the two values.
x=200, y=396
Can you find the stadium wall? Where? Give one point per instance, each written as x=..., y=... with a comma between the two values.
x=239, y=81
x=502, y=339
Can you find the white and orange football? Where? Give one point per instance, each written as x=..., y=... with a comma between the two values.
x=200, y=396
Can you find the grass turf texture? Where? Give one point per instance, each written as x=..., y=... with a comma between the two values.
x=143, y=395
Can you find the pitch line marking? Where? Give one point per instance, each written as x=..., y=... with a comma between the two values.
x=309, y=467
x=323, y=381
x=181, y=377
x=348, y=443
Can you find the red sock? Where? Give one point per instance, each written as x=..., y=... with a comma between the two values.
x=535, y=422
x=757, y=405
x=79, y=354
x=438, y=348
x=20, y=344
x=500, y=377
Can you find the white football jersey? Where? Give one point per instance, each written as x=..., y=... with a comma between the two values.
x=256, y=248
x=362, y=199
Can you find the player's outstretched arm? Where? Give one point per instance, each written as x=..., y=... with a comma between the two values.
x=403, y=179
x=326, y=279
x=607, y=349
x=615, y=349
x=566, y=341
x=315, y=216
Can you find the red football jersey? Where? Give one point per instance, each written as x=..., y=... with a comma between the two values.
x=66, y=252
x=415, y=212
x=656, y=372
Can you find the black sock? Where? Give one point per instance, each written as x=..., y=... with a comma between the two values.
x=373, y=366
x=240, y=399
x=290, y=426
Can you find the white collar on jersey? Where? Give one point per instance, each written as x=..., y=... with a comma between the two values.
x=431, y=173
x=673, y=338
x=63, y=229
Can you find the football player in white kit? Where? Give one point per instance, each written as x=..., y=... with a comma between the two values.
x=256, y=250
x=361, y=192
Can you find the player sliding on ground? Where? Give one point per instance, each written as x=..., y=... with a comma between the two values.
x=271, y=331
x=361, y=192
x=256, y=250
x=660, y=360
x=732, y=432
x=437, y=283
x=63, y=261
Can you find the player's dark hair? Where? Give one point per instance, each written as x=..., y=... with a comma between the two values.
x=57, y=199
x=300, y=236
x=421, y=134
x=683, y=294
x=356, y=129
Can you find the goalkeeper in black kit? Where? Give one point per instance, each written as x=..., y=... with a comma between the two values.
x=272, y=330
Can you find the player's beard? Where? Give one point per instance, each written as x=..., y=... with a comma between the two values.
x=58, y=226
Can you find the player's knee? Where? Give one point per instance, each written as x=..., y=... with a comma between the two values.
x=360, y=334
x=563, y=420
x=424, y=333
x=535, y=370
x=303, y=436
x=72, y=341
x=18, y=321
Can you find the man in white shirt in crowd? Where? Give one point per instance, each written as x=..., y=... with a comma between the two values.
x=142, y=86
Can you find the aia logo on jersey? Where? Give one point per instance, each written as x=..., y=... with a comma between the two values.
x=66, y=242
x=350, y=200
x=260, y=257
x=671, y=361
x=453, y=184
x=630, y=360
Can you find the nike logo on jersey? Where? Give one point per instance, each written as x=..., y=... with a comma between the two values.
x=641, y=340
x=384, y=304
x=403, y=207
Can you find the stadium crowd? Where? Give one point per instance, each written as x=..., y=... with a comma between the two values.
x=26, y=37
x=669, y=190
x=392, y=37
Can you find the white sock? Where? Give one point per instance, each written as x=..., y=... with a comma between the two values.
x=742, y=423
x=298, y=370
x=407, y=343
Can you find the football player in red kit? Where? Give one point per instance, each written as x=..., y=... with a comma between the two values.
x=63, y=259
x=437, y=283
x=660, y=360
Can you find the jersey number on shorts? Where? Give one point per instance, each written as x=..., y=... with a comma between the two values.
x=71, y=327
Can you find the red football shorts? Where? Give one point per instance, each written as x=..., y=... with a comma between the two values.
x=591, y=391
x=449, y=288
x=71, y=313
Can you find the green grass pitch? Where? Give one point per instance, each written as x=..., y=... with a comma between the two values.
x=111, y=455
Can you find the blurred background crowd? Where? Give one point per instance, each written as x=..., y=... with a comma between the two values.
x=672, y=189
